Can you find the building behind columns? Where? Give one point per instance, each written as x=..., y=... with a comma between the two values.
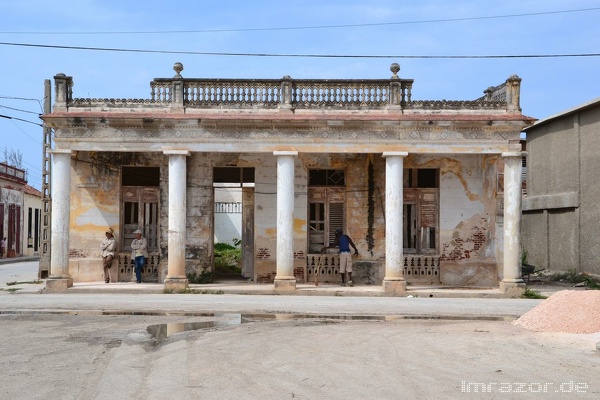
x=561, y=210
x=231, y=133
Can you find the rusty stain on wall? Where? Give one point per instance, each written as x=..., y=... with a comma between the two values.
x=300, y=226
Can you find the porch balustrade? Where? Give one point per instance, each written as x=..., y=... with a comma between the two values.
x=417, y=268
x=126, y=268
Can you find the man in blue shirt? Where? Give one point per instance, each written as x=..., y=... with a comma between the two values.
x=344, y=242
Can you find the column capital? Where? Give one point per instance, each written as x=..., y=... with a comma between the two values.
x=177, y=152
x=285, y=153
x=60, y=151
x=395, y=153
x=507, y=154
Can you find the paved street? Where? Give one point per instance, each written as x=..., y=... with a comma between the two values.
x=120, y=344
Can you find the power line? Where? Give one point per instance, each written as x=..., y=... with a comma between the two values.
x=22, y=98
x=18, y=109
x=305, y=27
x=201, y=53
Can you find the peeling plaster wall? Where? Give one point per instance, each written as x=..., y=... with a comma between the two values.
x=468, y=189
x=467, y=215
x=199, y=222
x=95, y=206
x=265, y=218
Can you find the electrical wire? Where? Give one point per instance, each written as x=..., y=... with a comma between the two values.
x=339, y=26
x=203, y=53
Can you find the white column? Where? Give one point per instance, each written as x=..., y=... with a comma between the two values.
x=176, y=278
x=284, y=279
x=394, y=172
x=59, y=278
x=512, y=283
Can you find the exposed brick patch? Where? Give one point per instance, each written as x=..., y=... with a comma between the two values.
x=299, y=274
x=299, y=254
x=77, y=253
x=462, y=248
x=263, y=253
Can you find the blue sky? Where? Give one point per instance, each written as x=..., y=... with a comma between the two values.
x=380, y=28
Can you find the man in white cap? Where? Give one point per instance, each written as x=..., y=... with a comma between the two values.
x=139, y=253
x=107, y=251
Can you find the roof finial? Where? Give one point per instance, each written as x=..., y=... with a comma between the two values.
x=395, y=68
x=178, y=67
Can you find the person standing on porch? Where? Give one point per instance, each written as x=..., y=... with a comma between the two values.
x=139, y=253
x=107, y=251
x=344, y=242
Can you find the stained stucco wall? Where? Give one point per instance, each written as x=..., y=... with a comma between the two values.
x=95, y=205
x=467, y=214
x=468, y=218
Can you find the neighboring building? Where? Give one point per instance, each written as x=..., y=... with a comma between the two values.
x=32, y=220
x=12, y=186
x=561, y=210
x=228, y=214
x=419, y=185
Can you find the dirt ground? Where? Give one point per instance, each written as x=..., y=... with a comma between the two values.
x=54, y=356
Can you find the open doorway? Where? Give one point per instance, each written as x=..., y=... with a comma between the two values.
x=233, y=223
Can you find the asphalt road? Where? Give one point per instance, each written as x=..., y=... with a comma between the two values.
x=191, y=346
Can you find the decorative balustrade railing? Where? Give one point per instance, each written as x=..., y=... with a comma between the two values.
x=371, y=94
x=494, y=93
x=423, y=268
x=126, y=269
x=225, y=92
x=417, y=268
x=288, y=93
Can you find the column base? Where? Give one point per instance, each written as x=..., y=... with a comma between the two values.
x=394, y=286
x=513, y=288
x=60, y=284
x=284, y=285
x=176, y=283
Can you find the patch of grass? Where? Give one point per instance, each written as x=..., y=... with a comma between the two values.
x=533, y=294
x=11, y=290
x=204, y=277
x=36, y=282
x=228, y=257
x=191, y=291
x=573, y=276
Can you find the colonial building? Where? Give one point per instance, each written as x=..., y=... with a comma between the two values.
x=430, y=190
x=12, y=185
x=561, y=210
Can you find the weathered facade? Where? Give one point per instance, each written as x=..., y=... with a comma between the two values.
x=561, y=209
x=428, y=190
x=12, y=186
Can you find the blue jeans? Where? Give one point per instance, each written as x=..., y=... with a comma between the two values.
x=139, y=263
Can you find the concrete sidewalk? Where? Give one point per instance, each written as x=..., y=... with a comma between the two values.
x=302, y=289
x=24, y=271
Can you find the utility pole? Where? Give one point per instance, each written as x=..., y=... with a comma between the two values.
x=44, y=269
